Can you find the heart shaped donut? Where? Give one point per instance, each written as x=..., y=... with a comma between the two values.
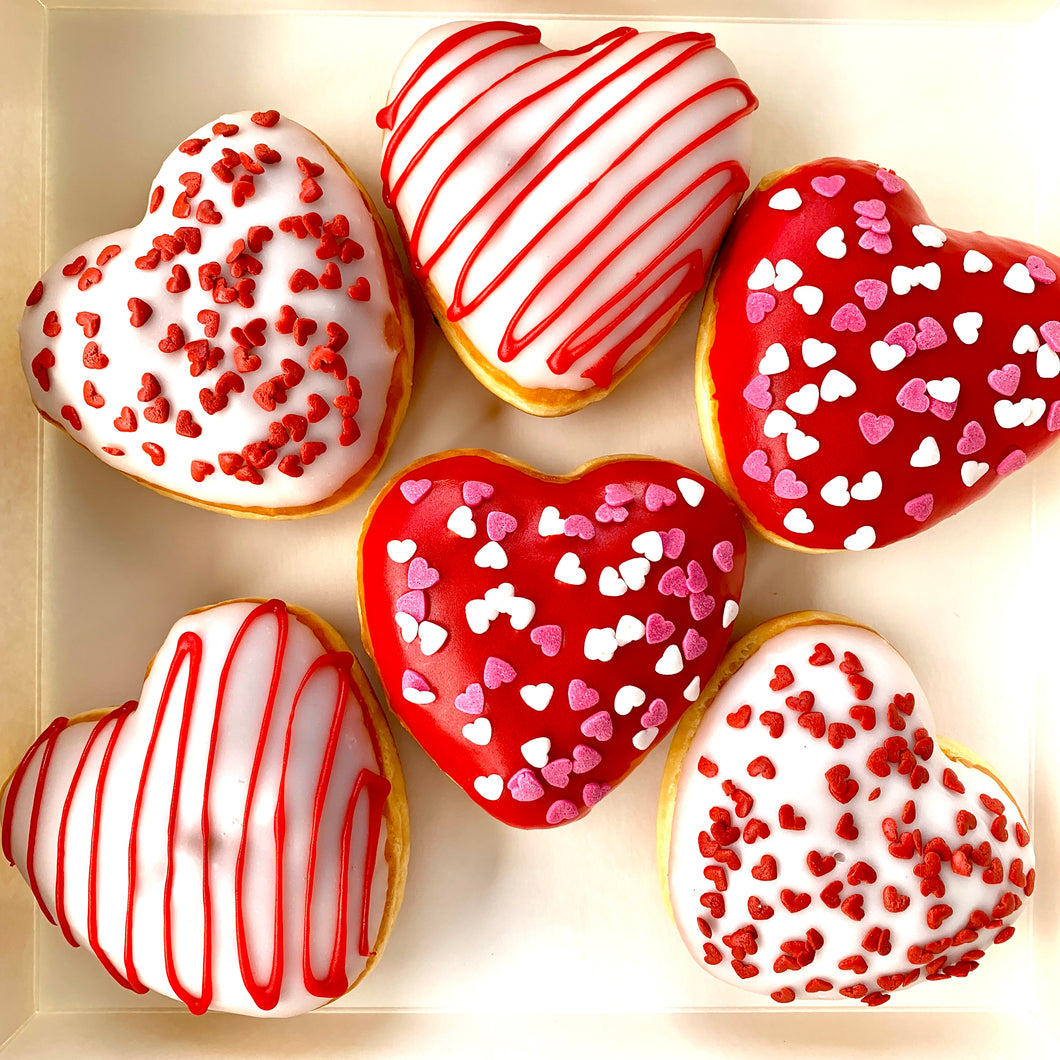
x=248, y=345
x=539, y=635
x=562, y=207
x=816, y=840
x=862, y=373
x=239, y=839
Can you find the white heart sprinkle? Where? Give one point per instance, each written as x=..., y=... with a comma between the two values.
x=421, y=697
x=628, y=630
x=815, y=353
x=610, y=583
x=1047, y=363
x=520, y=612
x=491, y=556
x=536, y=751
x=479, y=731
x=763, y=276
x=537, y=697
x=643, y=739
x=775, y=360
x=1026, y=340
x=886, y=356
x=804, y=400
x=432, y=637
x=869, y=488
x=810, y=298
x=634, y=572
x=929, y=235
x=788, y=274
x=407, y=625
x=972, y=471
x=550, y=524
x=1035, y=411
x=800, y=445
x=490, y=787
x=461, y=522
x=903, y=279
x=401, y=551
x=691, y=692
x=946, y=389
x=836, y=385
x=600, y=645
x=729, y=613
x=479, y=615
x=1011, y=414
x=836, y=491
x=862, y=538
x=691, y=490
x=929, y=275
x=671, y=661
x=798, y=522
x=627, y=698
x=967, y=326
x=927, y=453
x=778, y=422
x=649, y=545
x=831, y=244
x=976, y=262
x=500, y=596
x=787, y=199
x=1019, y=279
x=569, y=569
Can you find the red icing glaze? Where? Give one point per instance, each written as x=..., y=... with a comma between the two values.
x=544, y=758
x=1009, y=359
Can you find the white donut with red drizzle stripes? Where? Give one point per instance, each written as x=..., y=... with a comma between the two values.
x=562, y=207
x=237, y=841
x=817, y=839
x=248, y=345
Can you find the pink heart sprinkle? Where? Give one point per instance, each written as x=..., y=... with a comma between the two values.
x=593, y=792
x=701, y=605
x=973, y=438
x=497, y=672
x=882, y=225
x=674, y=583
x=756, y=466
x=723, y=553
x=848, y=318
x=890, y=182
x=608, y=513
x=758, y=304
x=557, y=773
x=943, y=409
x=412, y=679
x=875, y=428
x=1005, y=380
x=693, y=647
x=903, y=335
x=476, y=492
x=413, y=603
x=525, y=787
x=1013, y=462
x=579, y=526
x=421, y=576
x=1052, y=420
x=655, y=714
x=878, y=241
x=872, y=291
x=874, y=208
x=561, y=810
x=697, y=578
x=598, y=726
x=1039, y=270
x=548, y=638
x=920, y=508
x=673, y=543
x=472, y=700
x=586, y=758
x=657, y=629
x=913, y=396
x=931, y=334
x=414, y=490
x=788, y=486
x=1051, y=333
x=615, y=494
x=657, y=497
x=499, y=525
x=580, y=696
x=829, y=187
x=756, y=393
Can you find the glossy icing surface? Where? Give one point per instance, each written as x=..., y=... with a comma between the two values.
x=823, y=846
x=239, y=345
x=564, y=204
x=537, y=636
x=220, y=842
x=873, y=373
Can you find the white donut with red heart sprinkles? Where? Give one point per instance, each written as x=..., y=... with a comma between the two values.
x=817, y=840
x=246, y=347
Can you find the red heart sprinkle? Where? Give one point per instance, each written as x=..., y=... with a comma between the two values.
x=782, y=677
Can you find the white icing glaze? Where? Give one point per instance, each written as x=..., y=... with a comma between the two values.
x=800, y=760
x=134, y=351
x=240, y=711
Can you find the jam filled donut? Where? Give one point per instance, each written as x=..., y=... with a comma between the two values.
x=539, y=635
x=248, y=346
x=816, y=840
x=561, y=208
x=239, y=839
x=863, y=373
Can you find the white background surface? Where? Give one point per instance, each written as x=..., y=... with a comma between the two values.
x=565, y=924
